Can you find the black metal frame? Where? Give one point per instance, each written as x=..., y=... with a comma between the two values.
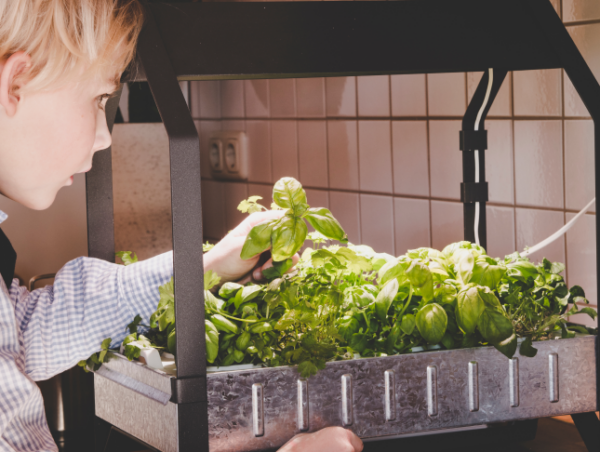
x=196, y=41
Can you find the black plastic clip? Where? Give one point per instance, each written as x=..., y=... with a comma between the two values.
x=188, y=390
x=473, y=140
x=471, y=192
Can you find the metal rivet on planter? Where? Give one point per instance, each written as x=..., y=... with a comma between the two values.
x=473, y=386
x=513, y=381
x=553, y=377
x=347, y=415
x=302, y=405
x=432, y=408
x=258, y=410
x=390, y=395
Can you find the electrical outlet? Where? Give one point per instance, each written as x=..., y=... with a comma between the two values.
x=232, y=149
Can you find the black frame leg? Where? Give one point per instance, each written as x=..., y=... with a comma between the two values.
x=588, y=426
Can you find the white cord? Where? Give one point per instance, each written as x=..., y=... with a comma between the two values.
x=477, y=121
x=558, y=233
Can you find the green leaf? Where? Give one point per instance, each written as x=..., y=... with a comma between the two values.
x=212, y=341
x=211, y=279
x=384, y=299
x=588, y=311
x=288, y=192
x=508, y=346
x=324, y=222
x=432, y=322
x=465, y=263
x=288, y=237
x=172, y=342
x=420, y=277
x=494, y=326
x=390, y=270
x=106, y=343
x=307, y=369
x=359, y=342
x=258, y=240
x=261, y=327
x=408, y=324
x=278, y=269
x=251, y=205
x=224, y=324
x=448, y=341
x=229, y=289
x=469, y=307
x=133, y=326
x=527, y=348
x=243, y=341
x=127, y=257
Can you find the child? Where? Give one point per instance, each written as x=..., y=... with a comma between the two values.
x=60, y=60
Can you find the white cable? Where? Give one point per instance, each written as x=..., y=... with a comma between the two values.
x=477, y=121
x=558, y=233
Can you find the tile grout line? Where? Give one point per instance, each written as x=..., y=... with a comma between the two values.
x=514, y=155
x=428, y=161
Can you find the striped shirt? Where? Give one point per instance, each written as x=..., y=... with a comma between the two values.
x=47, y=331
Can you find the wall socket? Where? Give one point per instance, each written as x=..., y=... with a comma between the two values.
x=228, y=155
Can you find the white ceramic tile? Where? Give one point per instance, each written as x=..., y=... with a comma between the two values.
x=374, y=95
x=256, y=95
x=233, y=125
x=204, y=129
x=579, y=164
x=446, y=223
x=409, y=146
x=576, y=10
x=411, y=224
x=341, y=96
x=500, y=231
x=533, y=226
x=538, y=163
x=447, y=94
x=574, y=106
x=232, y=98
x=502, y=104
x=317, y=198
x=499, y=161
x=259, y=143
x=213, y=214
x=537, y=93
x=234, y=193
x=377, y=222
x=445, y=159
x=284, y=148
x=345, y=208
x=310, y=97
x=282, y=95
x=206, y=99
x=375, y=156
x=556, y=5
x=409, y=96
x=581, y=255
x=343, y=154
x=312, y=149
x=264, y=190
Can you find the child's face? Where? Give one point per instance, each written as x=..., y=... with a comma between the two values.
x=50, y=137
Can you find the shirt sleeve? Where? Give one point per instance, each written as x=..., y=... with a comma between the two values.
x=90, y=300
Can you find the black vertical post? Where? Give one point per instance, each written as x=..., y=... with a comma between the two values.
x=588, y=89
x=473, y=143
x=184, y=146
x=99, y=196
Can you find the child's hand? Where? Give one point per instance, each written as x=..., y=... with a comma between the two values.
x=330, y=439
x=224, y=259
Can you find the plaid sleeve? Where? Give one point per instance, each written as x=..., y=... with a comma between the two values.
x=90, y=300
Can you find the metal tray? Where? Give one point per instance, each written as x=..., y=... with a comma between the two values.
x=258, y=409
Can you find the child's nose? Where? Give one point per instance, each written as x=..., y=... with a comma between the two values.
x=103, y=137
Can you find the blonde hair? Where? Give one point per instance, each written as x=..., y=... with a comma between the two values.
x=70, y=39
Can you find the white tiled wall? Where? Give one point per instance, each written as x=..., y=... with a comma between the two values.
x=382, y=153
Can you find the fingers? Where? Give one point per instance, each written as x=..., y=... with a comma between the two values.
x=355, y=441
x=257, y=273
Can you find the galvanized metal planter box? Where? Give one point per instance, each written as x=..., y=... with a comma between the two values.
x=258, y=409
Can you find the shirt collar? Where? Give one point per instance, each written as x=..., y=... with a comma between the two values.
x=3, y=216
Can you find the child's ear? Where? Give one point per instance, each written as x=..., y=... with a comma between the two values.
x=16, y=65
